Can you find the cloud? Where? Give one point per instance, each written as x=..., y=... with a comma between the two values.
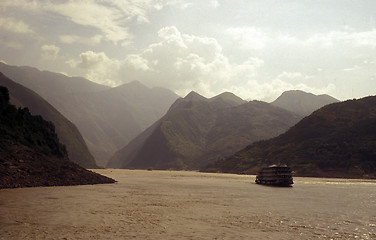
x=252, y=38
x=248, y=37
x=178, y=61
x=138, y=10
x=293, y=75
x=11, y=44
x=183, y=62
x=49, y=52
x=333, y=38
x=110, y=17
x=98, y=67
x=214, y=3
x=15, y=26
x=354, y=68
x=71, y=39
x=107, y=19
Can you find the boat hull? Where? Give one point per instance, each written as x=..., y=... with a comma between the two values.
x=275, y=175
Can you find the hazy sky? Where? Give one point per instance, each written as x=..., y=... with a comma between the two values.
x=255, y=49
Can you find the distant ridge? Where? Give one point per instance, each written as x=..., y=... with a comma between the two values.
x=197, y=130
x=48, y=84
x=301, y=102
x=338, y=140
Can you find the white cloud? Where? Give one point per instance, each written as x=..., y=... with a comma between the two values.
x=49, y=52
x=137, y=62
x=254, y=38
x=14, y=25
x=354, y=68
x=138, y=9
x=71, y=39
x=179, y=61
x=185, y=62
x=99, y=67
x=293, y=75
x=215, y=3
x=333, y=38
x=11, y=44
x=110, y=17
x=248, y=37
x=92, y=14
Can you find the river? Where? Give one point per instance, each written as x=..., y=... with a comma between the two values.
x=191, y=205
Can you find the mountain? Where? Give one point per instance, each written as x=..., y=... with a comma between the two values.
x=31, y=154
x=338, y=140
x=301, y=102
x=49, y=84
x=229, y=98
x=66, y=130
x=108, y=118
x=197, y=131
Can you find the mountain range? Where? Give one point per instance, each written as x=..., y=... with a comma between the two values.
x=338, y=140
x=31, y=154
x=196, y=131
x=108, y=118
x=66, y=130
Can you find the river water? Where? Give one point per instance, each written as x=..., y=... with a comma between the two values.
x=191, y=205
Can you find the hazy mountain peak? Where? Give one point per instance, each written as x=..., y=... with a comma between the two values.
x=302, y=102
x=194, y=96
x=132, y=85
x=228, y=97
x=296, y=93
x=135, y=83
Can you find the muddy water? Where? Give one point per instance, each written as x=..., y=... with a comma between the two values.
x=190, y=205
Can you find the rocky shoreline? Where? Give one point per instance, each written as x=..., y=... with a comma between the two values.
x=21, y=166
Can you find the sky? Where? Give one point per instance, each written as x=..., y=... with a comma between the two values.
x=256, y=49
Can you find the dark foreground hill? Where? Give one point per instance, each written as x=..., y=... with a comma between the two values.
x=338, y=140
x=67, y=132
x=31, y=154
x=302, y=103
x=108, y=118
x=197, y=131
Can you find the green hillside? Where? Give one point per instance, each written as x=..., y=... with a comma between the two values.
x=338, y=140
x=68, y=133
x=31, y=154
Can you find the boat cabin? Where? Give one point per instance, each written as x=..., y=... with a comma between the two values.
x=275, y=175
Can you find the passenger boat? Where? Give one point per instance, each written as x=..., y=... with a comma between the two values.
x=275, y=175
